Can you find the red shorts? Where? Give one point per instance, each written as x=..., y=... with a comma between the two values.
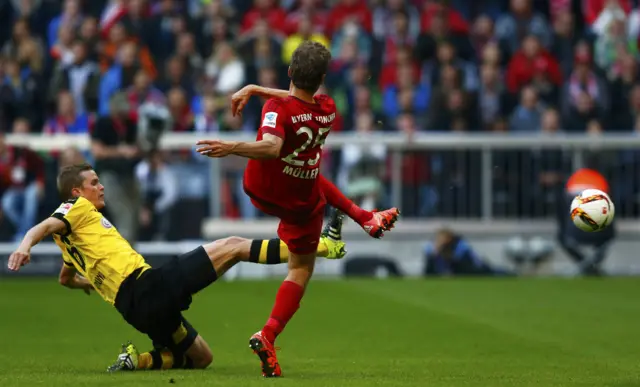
x=300, y=232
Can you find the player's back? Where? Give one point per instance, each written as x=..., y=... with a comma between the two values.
x=290, y=181
x=95, y=248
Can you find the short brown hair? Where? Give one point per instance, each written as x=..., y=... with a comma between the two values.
x=309, y=63
x=70, y=177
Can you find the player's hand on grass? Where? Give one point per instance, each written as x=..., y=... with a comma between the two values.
x=19, y=258
x=214, y=148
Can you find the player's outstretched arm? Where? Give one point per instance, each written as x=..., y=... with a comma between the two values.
x=69, y=278
x=240, y=98
x=267, y=148
x=22, y=255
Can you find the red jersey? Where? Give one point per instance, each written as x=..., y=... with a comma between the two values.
x=289, y=183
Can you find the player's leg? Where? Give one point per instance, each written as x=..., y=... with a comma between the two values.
x=182, y=349
x=275, y=251
x=374, y=223
x=302, y=241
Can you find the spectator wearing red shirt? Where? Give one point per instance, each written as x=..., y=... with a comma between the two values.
x=311, y=9
x=264, y=9
x=456, y=22
x=22, y=180
x=593, y=8
x=345, y=10
x=527, y=61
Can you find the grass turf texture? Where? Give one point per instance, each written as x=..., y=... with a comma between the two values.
x=347, y=333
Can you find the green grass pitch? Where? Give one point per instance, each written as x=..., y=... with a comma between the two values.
x=487, y=333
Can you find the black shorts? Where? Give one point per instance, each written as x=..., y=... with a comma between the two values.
x=153, y=302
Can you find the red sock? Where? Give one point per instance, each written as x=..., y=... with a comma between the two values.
x=287, y=303
x=337, y=199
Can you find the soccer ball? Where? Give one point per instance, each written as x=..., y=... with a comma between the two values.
x=592, y=210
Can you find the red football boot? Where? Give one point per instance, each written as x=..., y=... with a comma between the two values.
x=382, y=221
x=267, y=354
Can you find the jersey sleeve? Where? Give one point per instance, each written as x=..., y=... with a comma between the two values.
x=273, y=118
x=73, y=213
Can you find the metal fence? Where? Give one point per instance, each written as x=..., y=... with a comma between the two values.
x=460, y=175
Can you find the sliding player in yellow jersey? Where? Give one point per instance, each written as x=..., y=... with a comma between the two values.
x=96, y=257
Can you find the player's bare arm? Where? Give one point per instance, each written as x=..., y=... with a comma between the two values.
x=240, y=98
x=22, y=255
x=69, y=278
x=267, y=148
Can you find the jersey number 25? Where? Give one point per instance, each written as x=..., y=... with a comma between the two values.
x=319, y=142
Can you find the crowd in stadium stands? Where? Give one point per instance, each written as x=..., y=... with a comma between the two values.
x=73, y=66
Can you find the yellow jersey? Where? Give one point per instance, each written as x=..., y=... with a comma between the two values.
x=95, y=247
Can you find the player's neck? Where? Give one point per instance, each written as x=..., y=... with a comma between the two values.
x=301, y=94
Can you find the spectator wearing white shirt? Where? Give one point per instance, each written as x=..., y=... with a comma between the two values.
x=225, y=70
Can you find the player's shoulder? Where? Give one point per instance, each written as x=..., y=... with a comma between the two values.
x=79, y=203
x=273, y=105
x=325, y=101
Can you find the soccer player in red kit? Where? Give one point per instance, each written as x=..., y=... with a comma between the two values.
x=283, y=179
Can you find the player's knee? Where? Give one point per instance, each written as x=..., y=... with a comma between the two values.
x=203, y=359
x=225, y=244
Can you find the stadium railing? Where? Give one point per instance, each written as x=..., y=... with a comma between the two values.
x=476, y=154
x=487, y=162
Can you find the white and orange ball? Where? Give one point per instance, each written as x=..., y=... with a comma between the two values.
x=592, y=210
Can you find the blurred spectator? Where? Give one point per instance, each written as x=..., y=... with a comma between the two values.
x=120, y=76
x=142, y=91
x=481, y=35
x=451, y=255
x=24, y=47
x=492, y=96
x=186, y=51
x=315, y=9
x=346, y=13
x=565, y=38
x=584, y=80
x=67, y=119
x=118, y=39
x=304, y=32
x=20, y=94
x=158, y=187
x=162, y=29
x=522, y=21
x=549, y=167
x=267, y=10
x=213, y=26
x=599, y=13
x=351, y=43
x=612, y=44
x=416, y=192
x=225, y=70
x=620, y=88
x=362, y=167
x=441, y=8
x=114, y=147
x=438, y=31
x=90, y=35
x=181, y=114
x=176, y=75
x=21, y=181
x=446, y=56
x=207, y=121
x=384, y=15
x=70, y=17
x=530, y=61
x=81, y=77
x=406, y=84
x=527, y=116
